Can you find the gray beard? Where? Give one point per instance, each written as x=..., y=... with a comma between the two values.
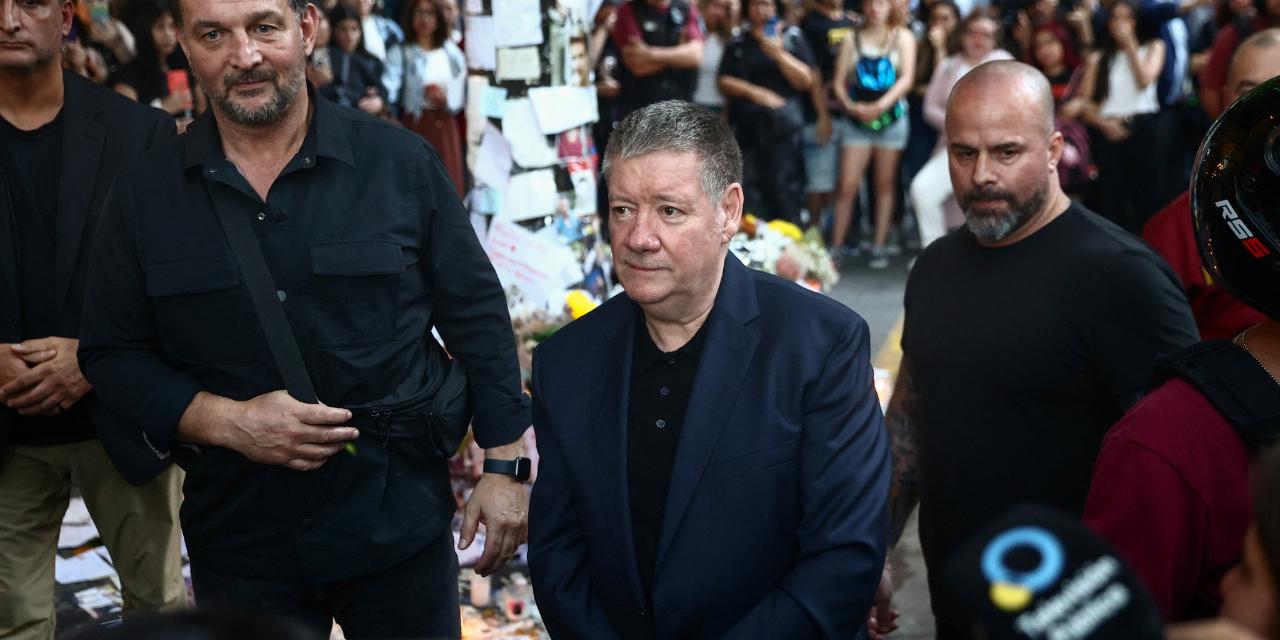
x=990, y=228
x=266, y=114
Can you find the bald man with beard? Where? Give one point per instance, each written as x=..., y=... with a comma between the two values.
x=1028, y=332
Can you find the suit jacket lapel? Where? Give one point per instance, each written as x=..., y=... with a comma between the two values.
x=8, y=241
x=726, y=360
x=82, y=141
x=608, y=423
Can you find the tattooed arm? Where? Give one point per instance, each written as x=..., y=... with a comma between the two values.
x=901, y=420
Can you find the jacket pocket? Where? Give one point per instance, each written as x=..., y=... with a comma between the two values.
x=196, y=300
x=353, y=297
x=751, y=462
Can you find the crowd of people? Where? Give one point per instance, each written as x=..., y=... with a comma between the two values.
x=825, y=97
x=714, y=460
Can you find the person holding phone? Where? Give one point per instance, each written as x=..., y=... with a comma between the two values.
x=766, y=74
x=148, y=78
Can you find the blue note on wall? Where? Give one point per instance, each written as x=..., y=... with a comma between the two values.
x=495, y=102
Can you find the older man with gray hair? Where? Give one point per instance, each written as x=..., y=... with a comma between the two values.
x=713, y=457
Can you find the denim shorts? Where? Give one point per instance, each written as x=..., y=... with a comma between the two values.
x=893, y=137
x=822, y=162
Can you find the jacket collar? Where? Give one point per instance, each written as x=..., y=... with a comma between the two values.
x=325, y=136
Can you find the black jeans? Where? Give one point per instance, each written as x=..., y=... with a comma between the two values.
x=415, y=598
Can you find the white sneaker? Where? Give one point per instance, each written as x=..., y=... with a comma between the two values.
x=879, y=258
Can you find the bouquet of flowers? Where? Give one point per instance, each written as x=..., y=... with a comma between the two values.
x=781, y=248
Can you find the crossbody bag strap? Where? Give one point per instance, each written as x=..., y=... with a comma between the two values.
x=262, y=291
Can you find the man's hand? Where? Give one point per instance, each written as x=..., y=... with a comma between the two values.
x=52, y=381
x=274, y=428
x=13, y=364
x=883, y=618
x=502, y=504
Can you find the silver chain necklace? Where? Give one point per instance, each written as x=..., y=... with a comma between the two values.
x=1240, y=340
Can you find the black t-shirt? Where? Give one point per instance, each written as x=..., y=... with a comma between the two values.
x=824, y=35
x=149, y=85
x=743, y=58
x=32, y=162
x=353, y=75
x=152, y=83
x=1024, y=356
x=661, y=384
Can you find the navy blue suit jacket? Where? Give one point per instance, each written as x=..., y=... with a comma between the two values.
x=775, y=519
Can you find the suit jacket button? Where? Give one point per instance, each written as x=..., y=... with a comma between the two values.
x=644, y=614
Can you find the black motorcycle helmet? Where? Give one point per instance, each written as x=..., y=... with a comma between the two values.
x=1235, y=198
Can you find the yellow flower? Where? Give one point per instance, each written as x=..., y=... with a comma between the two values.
x=787, y=229
x=579, y=303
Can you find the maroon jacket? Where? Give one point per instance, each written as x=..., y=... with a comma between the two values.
x=1171, y=492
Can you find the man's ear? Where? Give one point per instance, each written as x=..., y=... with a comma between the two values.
x=68, y=16
x=310, y=23
x=731, y=205
x=1056, y=145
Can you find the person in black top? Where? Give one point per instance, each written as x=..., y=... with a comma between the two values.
x=766, y=76
x=357, y=76
x=1028, y=332
x=369, y=248
x=660, y=42
x=825, y=26
x=62, y=141
x=145, y=78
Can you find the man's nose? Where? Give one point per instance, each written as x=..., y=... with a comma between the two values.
x=983, y=171
x=643, y=236
x=9, y=16
x=246, y=54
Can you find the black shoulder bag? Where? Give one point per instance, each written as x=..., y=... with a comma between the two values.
x=449, y=412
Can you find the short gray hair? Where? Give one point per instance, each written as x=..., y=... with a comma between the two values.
x=676, y=126
x=175, y=9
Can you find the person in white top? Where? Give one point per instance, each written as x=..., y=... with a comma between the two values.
x=380, y=34
x=426, y=79
x=931, y=196
x=1121, y=106
x=718, y=18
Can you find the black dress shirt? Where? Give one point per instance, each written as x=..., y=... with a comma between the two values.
x=369, y=248
x=661, y=384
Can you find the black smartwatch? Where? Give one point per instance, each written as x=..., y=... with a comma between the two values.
x=518, y=468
